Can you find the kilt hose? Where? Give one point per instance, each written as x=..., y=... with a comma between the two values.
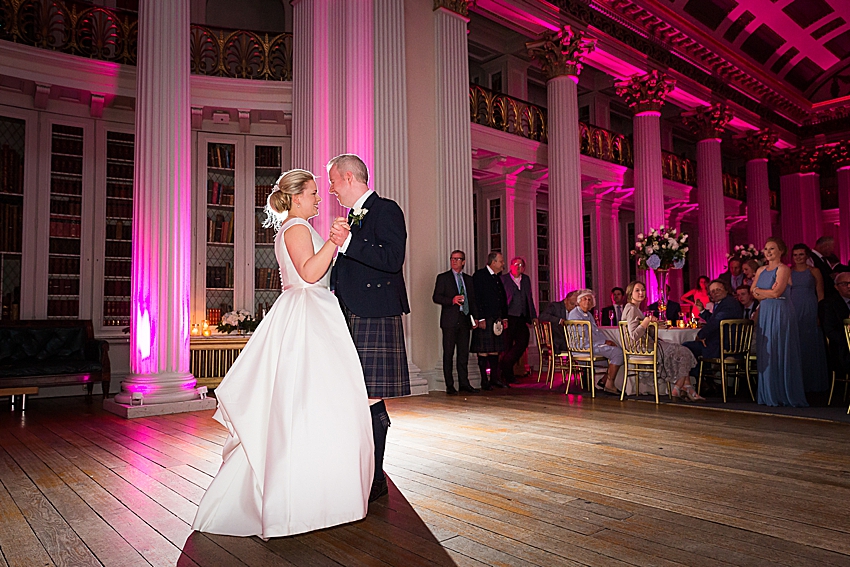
x=380, y=345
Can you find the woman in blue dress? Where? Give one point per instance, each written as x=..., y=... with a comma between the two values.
x=779, y=364
x=806, y=292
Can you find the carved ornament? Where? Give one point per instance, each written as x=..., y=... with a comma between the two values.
x=708, y=121
x=799, y=160
x=756, y=144
x=645, y=92
x=457, y=6
x=560, y=53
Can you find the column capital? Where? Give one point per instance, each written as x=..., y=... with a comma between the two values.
x=840, y=154
x=460, y=7
x=645, y=92
x=708, y=121
x=756, y=144
x=561, y=52
x=799, y=160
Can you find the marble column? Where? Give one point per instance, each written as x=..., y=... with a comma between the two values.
x=756, y=147
x=560, y=53
x=708, y=124
x=162, y=213
x=454, y=152
x=840, y=154
x=605, y=233
x=799, y=192
x=645, y=95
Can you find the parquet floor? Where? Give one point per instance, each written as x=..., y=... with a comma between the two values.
x=519, y=478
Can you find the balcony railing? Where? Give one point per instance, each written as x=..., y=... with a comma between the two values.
x=605, y=145
x=112, y=35
x=734, y=187
x=499, y=111
x=679, y=169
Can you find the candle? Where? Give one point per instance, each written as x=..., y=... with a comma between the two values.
x=681, y=324
x=207, y=332
x=196, y=329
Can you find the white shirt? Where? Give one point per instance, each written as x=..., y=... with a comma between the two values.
x=358, y=204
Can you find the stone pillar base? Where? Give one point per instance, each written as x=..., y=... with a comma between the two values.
x=129, y=412
x=158, y=388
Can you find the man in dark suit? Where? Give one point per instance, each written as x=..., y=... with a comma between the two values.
x=612, y=314
x=455, y=292
x=369, y=284
x=726, y=306
x=833, y=311
x=673, y=310
x=492, y=304
x=824, y=249
x=733, y=276
x=556, y=313
x=747, y=301
x=521, y=313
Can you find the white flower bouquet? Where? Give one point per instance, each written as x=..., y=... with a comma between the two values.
x=236, y=320
x=663, y=249
x=748, y=252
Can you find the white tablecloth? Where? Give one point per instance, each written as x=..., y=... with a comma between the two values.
x=670, y=335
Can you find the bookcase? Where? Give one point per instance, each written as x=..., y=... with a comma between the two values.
x=66, y=201
x=220, y=223
x=267, y=169
x=12, y=150
x=117, y=256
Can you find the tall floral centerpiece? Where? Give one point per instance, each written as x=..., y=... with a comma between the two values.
x=661, y=250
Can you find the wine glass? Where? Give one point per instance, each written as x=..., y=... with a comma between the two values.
x=611, y=318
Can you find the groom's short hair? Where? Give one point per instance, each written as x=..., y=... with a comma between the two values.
x=352, y=164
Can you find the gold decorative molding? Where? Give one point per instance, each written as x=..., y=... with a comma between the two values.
x=499, y=111
x=679, y=169
x=561, y=52
x=799, y=160
x=647, y=92
x=457, y=6
x=840, y=154
x=708, y=121
x=756, y=144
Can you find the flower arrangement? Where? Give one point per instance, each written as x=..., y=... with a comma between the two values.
x=237, y=320
x=748, y=252
x=664, y=248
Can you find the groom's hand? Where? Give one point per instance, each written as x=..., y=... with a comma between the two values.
x=339, y=231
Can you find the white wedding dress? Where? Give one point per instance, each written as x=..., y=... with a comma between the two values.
x=299, y=455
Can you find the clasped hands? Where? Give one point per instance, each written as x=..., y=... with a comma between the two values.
x=340, y=230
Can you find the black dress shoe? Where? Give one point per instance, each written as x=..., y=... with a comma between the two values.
x=469, y=389
x=450, y=391
x=379, y=489
x=498, y=384
x=486, y=386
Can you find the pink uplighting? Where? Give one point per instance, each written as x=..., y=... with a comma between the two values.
x=143, y=336
x=648, y=113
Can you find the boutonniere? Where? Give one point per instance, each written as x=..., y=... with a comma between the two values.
x=357, y=216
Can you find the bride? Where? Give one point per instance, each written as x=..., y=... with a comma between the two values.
x=299, y=454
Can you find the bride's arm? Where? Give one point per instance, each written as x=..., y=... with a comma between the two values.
x=311, y=267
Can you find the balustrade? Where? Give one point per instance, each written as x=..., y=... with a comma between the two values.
x=734, y=187
x=499, y=111
x=111, y=35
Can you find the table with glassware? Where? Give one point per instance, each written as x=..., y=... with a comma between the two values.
x=671, y=335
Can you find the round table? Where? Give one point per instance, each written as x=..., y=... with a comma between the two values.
x=671, y=335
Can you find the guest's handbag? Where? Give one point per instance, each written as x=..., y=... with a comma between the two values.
x=498, y=327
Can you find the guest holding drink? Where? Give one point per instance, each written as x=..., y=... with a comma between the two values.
x=806, y=292
x=780, y=367
x=699, y=293
x=675, y=361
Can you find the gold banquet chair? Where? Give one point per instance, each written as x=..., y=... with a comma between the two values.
x=836, y=372
x=736, y=336
x=641, y=355
x=580, y=351
x=543, y=336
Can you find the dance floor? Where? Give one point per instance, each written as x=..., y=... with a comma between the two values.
x=518, y=478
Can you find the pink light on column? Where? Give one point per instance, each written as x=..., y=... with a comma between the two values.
x=143, y=336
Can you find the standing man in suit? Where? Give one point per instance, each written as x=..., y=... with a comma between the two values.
x=824, y=248
x=455, y=292
x=618, y=300
x=726, y=306
x=833, y=311
x=521, y=313
x=747, y=301
x=369, y=284
x=734, y=276
x=488, y=340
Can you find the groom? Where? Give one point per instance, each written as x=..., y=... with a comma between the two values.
x=368, y=281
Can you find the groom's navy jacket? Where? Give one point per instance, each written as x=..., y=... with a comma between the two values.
x=368, y=277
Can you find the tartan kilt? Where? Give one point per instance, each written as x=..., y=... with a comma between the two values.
x=380, y=345
x=485, y=340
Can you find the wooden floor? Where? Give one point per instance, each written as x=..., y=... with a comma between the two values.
x=509, y=478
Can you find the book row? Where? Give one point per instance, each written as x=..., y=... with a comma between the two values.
x=119, y=231
x=119, y=209
x=119, y=170
x=63, y=287
x=119, y=151
x=65, y=164
x=261, y=194
x=119, y=249
x=220, y=230
x=116, y=288
x=67, y=146
x=71, y=207
x=267, y=156
x=66, y=186
x=63, y=307
x=220, y=155
x=10, y=227
x=117, y=268
x=11, y=170
x=220, y=276
x=219, y=194
x=119, y=190
x=116, y=309
x=59, y=266
x=65, y=228
x=267, y=278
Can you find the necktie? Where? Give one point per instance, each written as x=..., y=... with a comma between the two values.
x=464, y=306
x=617, y=313
x=350, y=214
x=746, y=313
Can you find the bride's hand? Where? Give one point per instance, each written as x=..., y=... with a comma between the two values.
x=339, y=231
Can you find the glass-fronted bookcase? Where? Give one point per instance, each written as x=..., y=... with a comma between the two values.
x=12, y=151
x=235, y=265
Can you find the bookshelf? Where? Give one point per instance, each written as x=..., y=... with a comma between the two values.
x=117, y=256
x=220, y=221
x=66, y=195
x=267, y=168
x=12, y=150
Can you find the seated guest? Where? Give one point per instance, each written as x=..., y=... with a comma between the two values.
x=747, y=301
x=675, y=360
x=602, y=347
x=699, y=292
x=749, y=268
x=556, y=313
x=612, y=314
x=734, y=276
x=707, y=344
x=674, y=310
x=833, y=311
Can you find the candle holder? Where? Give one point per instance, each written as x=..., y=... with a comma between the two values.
x=207, y=332
x=196, y=330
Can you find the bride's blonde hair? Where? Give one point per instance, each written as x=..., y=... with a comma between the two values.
x=279, y=201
